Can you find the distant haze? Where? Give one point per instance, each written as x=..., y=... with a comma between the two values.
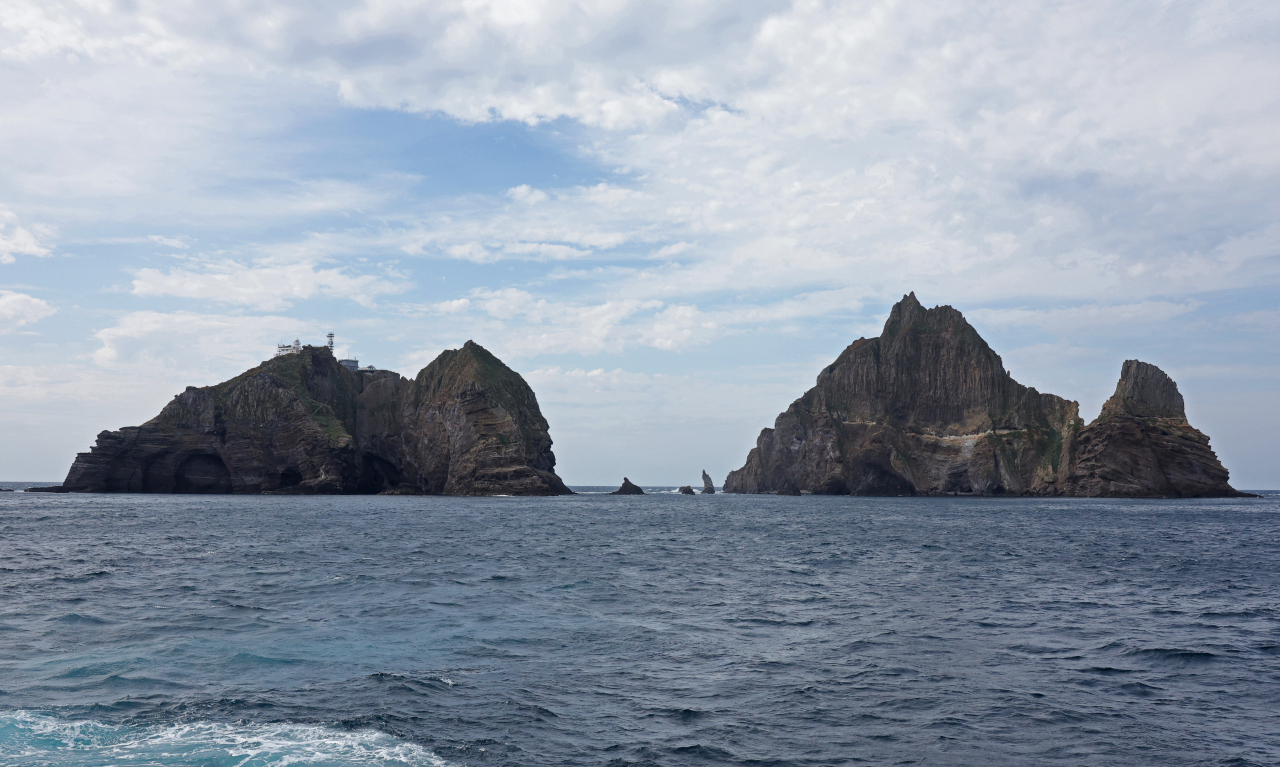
x=667, y=216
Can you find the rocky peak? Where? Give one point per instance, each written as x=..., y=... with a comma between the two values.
x=1145, y=391
x=928, y=371
x=909, y=316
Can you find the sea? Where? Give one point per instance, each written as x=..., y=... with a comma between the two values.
x=251, y=631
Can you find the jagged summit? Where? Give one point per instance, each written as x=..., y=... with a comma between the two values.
x=930, y=372
x=928, y=408
x=1145, y=391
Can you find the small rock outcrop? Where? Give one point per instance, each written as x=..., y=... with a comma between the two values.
x=686, y=490
x=708, y=487
x=927, y=408
x=628, y=488
x=302, y=423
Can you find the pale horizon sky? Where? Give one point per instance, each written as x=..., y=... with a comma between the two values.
x=668, y=217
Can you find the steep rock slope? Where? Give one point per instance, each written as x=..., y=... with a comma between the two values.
x=302, y=423
x=475, y=428
x=927, y=408
x=1141, y=444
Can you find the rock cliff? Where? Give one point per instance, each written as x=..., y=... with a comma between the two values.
x=927, y=408
x=302, y=423
x=1142, y=445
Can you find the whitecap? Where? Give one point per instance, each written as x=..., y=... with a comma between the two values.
x=41, y=740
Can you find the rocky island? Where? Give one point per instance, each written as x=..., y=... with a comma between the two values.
x=927, y=408
x=628, y=488
x=303, y=423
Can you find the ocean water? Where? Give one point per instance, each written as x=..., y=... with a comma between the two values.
x=654, y=630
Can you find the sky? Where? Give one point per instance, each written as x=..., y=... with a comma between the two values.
x=666, y=216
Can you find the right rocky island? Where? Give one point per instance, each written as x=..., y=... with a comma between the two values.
x=928, y=409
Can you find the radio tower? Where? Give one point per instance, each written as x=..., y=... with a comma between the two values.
x=330, y=337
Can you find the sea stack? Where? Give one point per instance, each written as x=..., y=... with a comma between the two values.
x=708, y=487
x=303, y=423
x=927, y=408
x=628, y=488
x=686, y=490
x=1141, y=444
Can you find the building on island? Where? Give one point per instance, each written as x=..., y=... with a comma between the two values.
x=350, y=364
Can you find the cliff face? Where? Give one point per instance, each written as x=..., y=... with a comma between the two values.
x=928, y=409
x=302, y=423
x=1142, y=445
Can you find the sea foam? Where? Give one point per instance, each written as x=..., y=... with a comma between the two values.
x=41, y=740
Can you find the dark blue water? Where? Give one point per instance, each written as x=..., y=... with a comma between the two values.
x=655, y=630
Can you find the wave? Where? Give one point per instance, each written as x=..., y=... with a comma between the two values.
x=1174, y=654
x=41, y=740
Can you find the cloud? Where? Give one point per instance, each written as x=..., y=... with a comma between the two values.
x=1264, y=320
x=18, y=309
x=15, y=239
x=1087, y=318
x=267, y=284
x=172, y=242
x=521, y=324
x=872, y=146
x=524, y=325
x=526, y=194
x=171, y=345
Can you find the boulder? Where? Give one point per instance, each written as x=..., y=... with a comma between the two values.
x=686, y=490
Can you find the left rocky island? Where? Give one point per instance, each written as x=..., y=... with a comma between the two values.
x=302, y=423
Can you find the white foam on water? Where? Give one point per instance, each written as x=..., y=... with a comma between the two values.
x=38, y=740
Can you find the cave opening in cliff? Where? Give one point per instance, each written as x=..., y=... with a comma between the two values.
x=290, y=478
x=377, y=474
x=202, y=474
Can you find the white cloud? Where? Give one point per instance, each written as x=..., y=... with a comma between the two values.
x=15, y=239
x=524, y=325
x=1265, y=319
x=174, y=345
x=172, y=242
x=267, y=284
x=869, y=145
x=1089, y=318
x=517, y=323
x=526, y=194
x=18, y=309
